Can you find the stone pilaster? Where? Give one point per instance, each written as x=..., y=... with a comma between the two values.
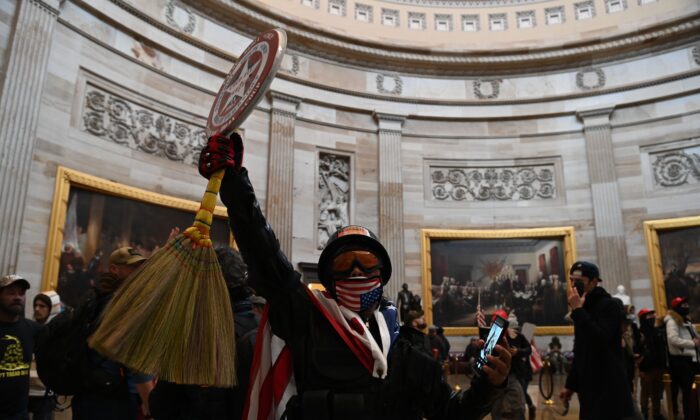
x=607, y=210
x=19, y=115
x=391, y=197
x=280, y=185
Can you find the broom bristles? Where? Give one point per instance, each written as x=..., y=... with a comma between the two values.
x=173, y=318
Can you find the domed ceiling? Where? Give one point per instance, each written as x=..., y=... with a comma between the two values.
x=461, y=37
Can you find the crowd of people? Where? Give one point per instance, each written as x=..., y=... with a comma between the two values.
x=345, y=353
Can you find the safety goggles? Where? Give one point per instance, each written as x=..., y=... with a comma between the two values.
x=346, y=262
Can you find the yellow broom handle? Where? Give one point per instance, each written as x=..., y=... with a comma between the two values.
x=199, y=231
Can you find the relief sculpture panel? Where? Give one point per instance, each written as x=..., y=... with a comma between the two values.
x=334, y=187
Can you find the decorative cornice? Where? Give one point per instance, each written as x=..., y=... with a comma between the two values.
x=340, y=48
x=467, y=4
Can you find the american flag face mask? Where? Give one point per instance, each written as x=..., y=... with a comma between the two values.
x=358, y=293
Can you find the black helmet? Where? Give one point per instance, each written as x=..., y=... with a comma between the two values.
x=348, y=238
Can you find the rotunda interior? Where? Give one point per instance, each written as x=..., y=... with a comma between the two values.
x=488, y=143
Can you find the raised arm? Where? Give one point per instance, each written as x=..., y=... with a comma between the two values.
x=271, y=272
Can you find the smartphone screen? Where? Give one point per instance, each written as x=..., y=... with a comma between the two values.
x=495, y=334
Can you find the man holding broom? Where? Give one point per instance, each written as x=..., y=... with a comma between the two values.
x=334, y=354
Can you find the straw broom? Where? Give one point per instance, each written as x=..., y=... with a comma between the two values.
x=172, y=317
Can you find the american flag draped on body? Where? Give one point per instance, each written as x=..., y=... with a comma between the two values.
x=272, y=381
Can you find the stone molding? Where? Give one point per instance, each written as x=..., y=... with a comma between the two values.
x=389, y=122
x=343, y=50
x=119, y=120
x=696, y=54
x=464, y=3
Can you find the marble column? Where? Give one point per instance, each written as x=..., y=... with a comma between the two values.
x=391, y=197
x=280, y=179
x=19, y=116
x=607, y=210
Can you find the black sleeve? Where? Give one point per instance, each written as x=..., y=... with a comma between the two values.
x=524, y=348
x=602, y=330
x=271, y=274
x=269, y=267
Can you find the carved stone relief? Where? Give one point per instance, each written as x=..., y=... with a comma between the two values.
x=389, y=84
x=114, y=118
x=696, y=54
x=180, y=18
x=334, y=181
x=591, y=78
x=677, y=167
x=487, y=89
x=512, y=183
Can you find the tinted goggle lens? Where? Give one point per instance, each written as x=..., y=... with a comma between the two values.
x=365, y=260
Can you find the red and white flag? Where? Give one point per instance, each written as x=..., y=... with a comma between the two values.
x=272, y=381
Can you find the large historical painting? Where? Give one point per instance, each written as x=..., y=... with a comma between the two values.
x=674, y=256
x=99, y=216
x=521, y=271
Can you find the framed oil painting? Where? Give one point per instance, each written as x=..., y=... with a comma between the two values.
x=92, y=216
x=523, y=271
x=674, y=262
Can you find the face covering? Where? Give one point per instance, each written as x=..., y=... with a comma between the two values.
x=683, y=311
x=358, y=293
x=512, y=333
x=422, y=326
x=578, y=285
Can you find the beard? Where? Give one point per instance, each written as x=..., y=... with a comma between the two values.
x=12, y=309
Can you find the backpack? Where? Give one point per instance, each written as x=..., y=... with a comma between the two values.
x=63, y=358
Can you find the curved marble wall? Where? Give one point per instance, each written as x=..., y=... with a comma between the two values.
x=598, y=130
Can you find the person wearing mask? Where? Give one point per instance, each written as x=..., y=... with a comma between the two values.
x=18, y=338
x=652, y=363
x=512, y=404
x=683, y=343
x=41, y=401
x=597, y=373
x=340, y=349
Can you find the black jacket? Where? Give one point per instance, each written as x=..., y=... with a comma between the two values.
x=598, y=373
x=331, y=382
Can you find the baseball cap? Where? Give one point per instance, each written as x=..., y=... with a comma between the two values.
x=13, y=278
x=586, y=269
x=676, y=302
x=125, y=255
x=643, y=312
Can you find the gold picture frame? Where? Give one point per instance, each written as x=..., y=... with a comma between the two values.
x=566, y=257
x=652, y=229
x=68, y=179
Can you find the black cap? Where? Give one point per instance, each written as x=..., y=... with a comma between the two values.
x=586, y=269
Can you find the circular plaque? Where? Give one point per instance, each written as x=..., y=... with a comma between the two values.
x=247, y=82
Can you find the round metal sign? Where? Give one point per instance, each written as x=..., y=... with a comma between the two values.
x=247, y=82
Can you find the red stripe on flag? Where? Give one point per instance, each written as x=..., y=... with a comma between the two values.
x=281, y=373
x=254, y=369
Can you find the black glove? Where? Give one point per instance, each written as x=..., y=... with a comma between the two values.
x=221, y=152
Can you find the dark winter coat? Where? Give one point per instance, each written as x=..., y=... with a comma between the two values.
x=598, y=372
x=323, y=364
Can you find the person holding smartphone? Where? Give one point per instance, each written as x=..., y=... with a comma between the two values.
x=342, y=352
x=597, y=374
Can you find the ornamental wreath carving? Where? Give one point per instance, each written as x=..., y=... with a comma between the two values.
x=393, y=90
x=583, y=79
x=677, y=168
x=114, y=118
x=516, y=183
x=171, y=18
x=334, y=192
x=490, y=93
